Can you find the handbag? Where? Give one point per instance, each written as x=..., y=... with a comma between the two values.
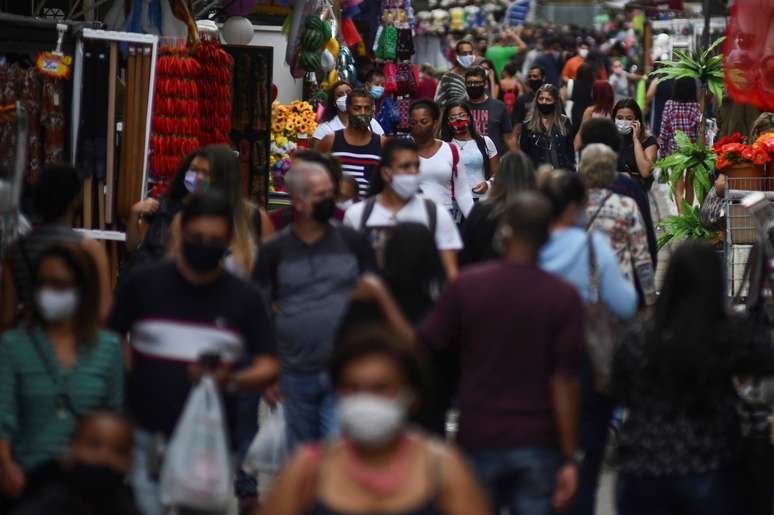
x=713, y=215
x=603, y=329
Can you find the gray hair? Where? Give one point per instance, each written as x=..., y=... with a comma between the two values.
x=598, y=165
x=297, y=178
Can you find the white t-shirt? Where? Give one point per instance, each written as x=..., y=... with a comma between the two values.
x=446, y=235
x=336, y=124
x=474, y=161
x=435, y=179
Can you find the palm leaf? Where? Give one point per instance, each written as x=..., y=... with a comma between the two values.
x=712, y=47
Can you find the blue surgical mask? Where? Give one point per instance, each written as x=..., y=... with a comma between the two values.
x=377, y=92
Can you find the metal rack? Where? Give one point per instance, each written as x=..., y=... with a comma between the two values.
x=741, y=229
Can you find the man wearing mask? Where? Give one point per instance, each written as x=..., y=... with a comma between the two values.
x=308, y=272
x=177, y=312
x=536, y=77
x=451, y=87
x=490, y=115
x=399, y=201
x=570, y=70
x=357, y=148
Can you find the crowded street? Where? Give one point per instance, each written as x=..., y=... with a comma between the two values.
x=369, y=257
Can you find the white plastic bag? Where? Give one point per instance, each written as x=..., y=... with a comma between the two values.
x=196, y=472
x=269, y=449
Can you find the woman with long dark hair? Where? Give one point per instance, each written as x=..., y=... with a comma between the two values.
x=580, y=95
x=335, y=116
x=56, y=368
x=638, y=147
x=547, y=134
x=515, y=173
x=601, y=104
x=478, y=153
x=674, y=376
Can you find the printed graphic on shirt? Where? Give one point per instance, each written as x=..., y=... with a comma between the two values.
x=481, y=121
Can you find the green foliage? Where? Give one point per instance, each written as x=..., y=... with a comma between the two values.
x=692, y=160
x=684, y=226
x=703, y=66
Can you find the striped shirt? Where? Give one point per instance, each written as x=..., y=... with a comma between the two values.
x=358, y=161
x=31, y=415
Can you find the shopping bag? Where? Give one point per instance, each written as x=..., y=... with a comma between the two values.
x=196, y=472
x=269, y=449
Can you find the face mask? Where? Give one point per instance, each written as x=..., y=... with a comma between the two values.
x=534, y=84
x=405, y=185
x=203, y=257
x=466, y=61
x=475, y=92
x=95, y=480
x=545, y=108
x=459, y=126
x=345, y=204
x=370, y=419
x=623, y=126
x=191, y=178
x=57, y=305
x=341, y=103
x=323, y=210
x=360, y=121
x=377, y=92
x=583, y=52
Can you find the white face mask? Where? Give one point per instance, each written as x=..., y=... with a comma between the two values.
x=466, y=61
x=57, y=305
x=370, y=419
x=346, y=204
x=405, y=185
x=583, y=52
x=341, y=103
x=623, y=126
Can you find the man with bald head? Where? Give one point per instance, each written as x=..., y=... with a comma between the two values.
x=308, y=272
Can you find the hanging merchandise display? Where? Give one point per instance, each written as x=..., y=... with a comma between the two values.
x=214, y=82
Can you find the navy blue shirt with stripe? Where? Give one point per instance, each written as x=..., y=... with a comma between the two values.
x=171, y=322
x=358, y=161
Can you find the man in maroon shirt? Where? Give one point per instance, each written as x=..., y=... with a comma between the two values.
x=519, y=333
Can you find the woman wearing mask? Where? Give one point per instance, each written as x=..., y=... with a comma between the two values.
x=379, y=465
x=677, y=447
x=547, y=134
x=601, y=105
x=638, y=148
x=251, y=224
x=515, y=173
x=56, y=369
x=567, y=254
x=441, y=171
x=619, y=218
x=478, y=153
x=335, y=116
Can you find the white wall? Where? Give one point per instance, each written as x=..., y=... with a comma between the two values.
x=289, y=89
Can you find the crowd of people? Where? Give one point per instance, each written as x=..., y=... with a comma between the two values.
x=467, y=267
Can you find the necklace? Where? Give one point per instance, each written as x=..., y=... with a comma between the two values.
x=386, y=481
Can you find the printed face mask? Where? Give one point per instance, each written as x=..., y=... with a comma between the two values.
x=459, y=125
x=623, y=126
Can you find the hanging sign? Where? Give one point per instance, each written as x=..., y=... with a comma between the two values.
x=53, y=64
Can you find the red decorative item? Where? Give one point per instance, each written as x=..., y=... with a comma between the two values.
x=349, y=32
x=749, y=55
x=215, y=88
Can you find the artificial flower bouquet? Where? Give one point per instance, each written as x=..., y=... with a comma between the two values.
x=733, y=150
x=291, y=126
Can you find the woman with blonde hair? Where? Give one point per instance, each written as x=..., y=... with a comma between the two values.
x=547, y=133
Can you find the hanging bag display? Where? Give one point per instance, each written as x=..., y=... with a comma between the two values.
x=196, y=472
x=405, y=79
x=390, y=79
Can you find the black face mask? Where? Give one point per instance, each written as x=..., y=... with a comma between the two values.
x=360, y=121
x=323, y=210
x=545, y=108
x=95, y=481
x=534, y=84
x=475, y=92
x=203, y=257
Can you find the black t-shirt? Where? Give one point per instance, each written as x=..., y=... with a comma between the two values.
x=491, y=119
x=521, y=109
x=171, y=323
x=627, y=161
x=478, y=233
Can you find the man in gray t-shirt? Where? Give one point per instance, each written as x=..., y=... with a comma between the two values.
x=490, y=116
x=308, y=271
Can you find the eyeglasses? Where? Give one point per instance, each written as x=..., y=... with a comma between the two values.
x=458, y=118
x=474, y=84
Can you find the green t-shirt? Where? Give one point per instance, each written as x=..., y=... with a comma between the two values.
x=32, y=419
x=500, y=56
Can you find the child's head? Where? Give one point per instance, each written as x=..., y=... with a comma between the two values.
x=103, y=439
